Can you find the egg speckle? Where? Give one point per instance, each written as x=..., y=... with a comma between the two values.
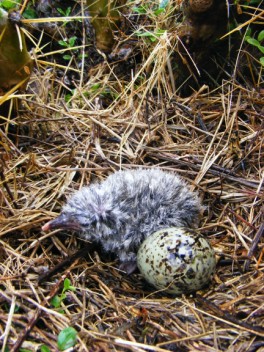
x=178, y=260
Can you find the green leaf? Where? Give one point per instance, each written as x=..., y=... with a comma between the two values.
x=60, y=11
x=150, y=35
x=66, y=284
x=95, y=87
x=67, y=338
x=44, y=348
x=9, y=4
x=72, y=288
x=67, y=97
x=158, y=11
x=29, y=13
x=139, y=9
x=63, y=43
x=262, y=61
x=68, y=11
x=144, y=34
x=72, y=41
x=81, y=56
x=64, y=13
x=67, y=57
x=248, y=32
x=63, y=296
x=160, y=32
x=252, y=41
x=56, y=301
x=152, y=39
x=261, y=48
x=261, y=36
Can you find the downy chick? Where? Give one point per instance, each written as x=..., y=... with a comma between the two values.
x=120, y=212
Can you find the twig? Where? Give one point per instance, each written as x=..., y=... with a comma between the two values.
x=80, y=253
x=5, y=184
x=254, y=245
x=195, y=164
x=228, y=318
x=240, y=218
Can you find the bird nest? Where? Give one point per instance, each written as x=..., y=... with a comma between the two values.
x=122, y=115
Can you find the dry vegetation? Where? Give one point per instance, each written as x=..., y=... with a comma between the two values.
x=125, y=118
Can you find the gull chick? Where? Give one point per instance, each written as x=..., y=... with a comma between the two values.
x=128, y=206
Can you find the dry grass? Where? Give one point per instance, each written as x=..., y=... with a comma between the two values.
x=213, y=138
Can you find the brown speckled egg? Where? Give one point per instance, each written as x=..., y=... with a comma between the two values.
x=176, y=259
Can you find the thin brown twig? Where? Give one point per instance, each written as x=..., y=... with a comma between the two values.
x=254, y=245
x=228, y=318
x=195, y=164
x=80, y=253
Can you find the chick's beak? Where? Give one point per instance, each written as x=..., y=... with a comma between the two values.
x=61, y=222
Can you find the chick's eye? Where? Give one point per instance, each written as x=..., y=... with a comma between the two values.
x=87, y=221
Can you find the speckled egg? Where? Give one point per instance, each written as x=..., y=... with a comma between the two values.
x=176, y=259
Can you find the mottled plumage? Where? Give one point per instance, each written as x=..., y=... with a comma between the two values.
x=128, y=206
